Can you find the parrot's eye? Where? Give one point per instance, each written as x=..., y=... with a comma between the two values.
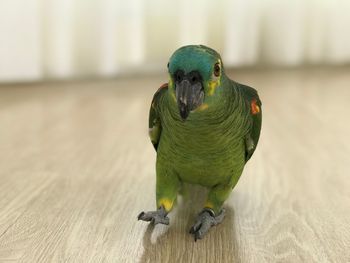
x=217, y=69
x=167, y=65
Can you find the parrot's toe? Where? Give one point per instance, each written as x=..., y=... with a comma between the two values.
x=155, y=217
x=205, y=220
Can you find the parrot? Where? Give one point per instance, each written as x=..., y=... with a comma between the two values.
x=204, y=128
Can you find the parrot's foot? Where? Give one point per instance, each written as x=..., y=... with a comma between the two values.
x=205, y=220
x=156, y=217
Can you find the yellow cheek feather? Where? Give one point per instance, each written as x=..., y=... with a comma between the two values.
x=170, y=82
x=171, y=86
x=213, y=84
x=203, y=107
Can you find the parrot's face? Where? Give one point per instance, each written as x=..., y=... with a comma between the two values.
x=195, y=72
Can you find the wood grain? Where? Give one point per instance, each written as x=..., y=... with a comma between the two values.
x=76, y=167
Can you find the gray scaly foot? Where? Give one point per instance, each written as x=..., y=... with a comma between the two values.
x=205, y=220
x=156, y=217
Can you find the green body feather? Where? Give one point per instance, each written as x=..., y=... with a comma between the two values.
x=211, y=147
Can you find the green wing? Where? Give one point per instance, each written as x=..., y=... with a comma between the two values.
x=255, y=114
x=154, y=123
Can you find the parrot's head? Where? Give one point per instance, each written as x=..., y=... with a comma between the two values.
x=195, y=73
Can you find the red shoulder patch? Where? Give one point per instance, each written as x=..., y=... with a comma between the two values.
x=254, y=107
x=164, y=86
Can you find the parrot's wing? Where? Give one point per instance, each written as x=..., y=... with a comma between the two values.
x=255, y=114
x=155, y=127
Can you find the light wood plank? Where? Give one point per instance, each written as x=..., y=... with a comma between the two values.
x=76, y=167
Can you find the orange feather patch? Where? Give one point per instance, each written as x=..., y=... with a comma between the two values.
x=254, y=107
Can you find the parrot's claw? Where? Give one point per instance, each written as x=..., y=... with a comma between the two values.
x=205, y=220
x=155, y=217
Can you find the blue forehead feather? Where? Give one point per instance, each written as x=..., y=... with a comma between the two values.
x=190, y=58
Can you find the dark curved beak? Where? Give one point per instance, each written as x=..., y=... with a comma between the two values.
x=189, y=96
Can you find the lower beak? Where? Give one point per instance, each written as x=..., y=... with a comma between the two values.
x=189, y=97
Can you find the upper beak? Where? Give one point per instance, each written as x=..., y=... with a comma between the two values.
x=189, y=96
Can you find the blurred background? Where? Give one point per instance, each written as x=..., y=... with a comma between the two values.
x=65, y=39
x=76, y=165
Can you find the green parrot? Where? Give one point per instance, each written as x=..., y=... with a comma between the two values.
x=204, y=128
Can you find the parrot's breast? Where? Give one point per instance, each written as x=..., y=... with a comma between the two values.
x=202, y=150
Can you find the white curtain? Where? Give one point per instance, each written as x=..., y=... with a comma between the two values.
x=41, y=39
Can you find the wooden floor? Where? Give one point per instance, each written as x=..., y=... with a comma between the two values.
x=76, y=168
